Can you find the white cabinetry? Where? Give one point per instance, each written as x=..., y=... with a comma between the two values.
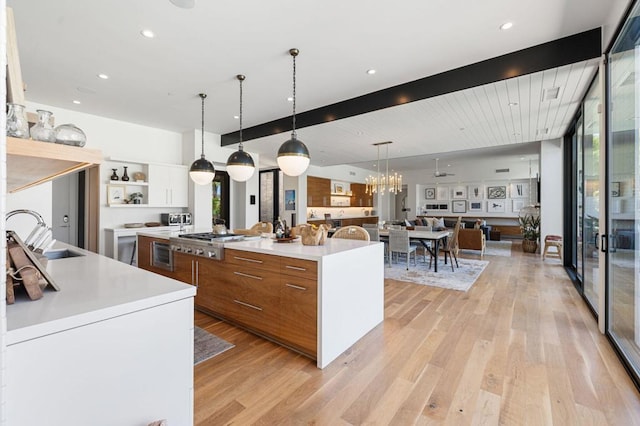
x=168, y=185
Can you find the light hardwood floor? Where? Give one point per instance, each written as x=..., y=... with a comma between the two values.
x=519, y=348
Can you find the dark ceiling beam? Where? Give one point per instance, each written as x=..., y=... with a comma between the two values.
x=557, y=53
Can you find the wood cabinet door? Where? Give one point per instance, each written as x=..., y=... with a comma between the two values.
x=298, y=323
x=144, y=252
x=184, y=267
x=318, y=192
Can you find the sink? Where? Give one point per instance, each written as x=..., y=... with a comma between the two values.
x=61, y=254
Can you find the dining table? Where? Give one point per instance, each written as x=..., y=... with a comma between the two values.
x=435, y=237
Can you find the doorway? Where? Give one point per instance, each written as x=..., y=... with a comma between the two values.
x=67, y=222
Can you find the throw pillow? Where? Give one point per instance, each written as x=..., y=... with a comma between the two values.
x=438, y=223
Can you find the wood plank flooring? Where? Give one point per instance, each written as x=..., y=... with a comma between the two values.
x=519, y=348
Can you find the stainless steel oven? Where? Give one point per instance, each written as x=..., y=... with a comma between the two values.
x=161, y=255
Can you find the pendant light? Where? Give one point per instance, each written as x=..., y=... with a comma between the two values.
x=202, y=171
x=240, y=165
x=387, y=182
x=293, y=155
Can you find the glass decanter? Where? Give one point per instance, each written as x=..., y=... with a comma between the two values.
x=43, y=130
x=17, y=124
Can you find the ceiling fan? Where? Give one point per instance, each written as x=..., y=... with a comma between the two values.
x=438, y=173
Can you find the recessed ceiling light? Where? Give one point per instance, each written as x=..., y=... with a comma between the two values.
x=147, y=33
x=506, y=25
x=371, y=71
x=236, y=117
x=513, y=104
x=76, y=102
x=103, y=76
x=290, y=99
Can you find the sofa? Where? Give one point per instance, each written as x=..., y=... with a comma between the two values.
x=471, y=239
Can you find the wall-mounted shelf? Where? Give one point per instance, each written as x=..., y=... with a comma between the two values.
x=31, y=163
x=128, y=183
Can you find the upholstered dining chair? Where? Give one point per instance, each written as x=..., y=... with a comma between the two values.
x=352, y=232
x=399, y=243
x=451, y=249
x=422, y=248
x=370, y=225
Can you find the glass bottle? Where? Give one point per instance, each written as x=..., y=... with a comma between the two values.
x=278, y=228
x=43, y=130
x=125, y=176
x=17, y=124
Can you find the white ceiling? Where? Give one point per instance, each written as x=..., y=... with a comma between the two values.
x=64, y=44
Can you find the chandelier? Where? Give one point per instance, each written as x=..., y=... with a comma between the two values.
x=386, y=182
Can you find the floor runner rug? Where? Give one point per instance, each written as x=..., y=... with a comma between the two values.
x=207, y=345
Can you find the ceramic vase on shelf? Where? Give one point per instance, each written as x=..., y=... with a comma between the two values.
x=125, y=176
x=114, y=176
x=43, y=130
x=17, y=124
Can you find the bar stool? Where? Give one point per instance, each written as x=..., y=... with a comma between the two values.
x=552, y=241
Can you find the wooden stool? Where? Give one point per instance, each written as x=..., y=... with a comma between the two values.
x=552, y=241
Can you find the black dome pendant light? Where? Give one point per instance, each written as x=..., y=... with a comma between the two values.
x=202, y=171
x=240, y=165
x=293, y=155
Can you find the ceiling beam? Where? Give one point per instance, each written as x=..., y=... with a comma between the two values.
x=557, y=53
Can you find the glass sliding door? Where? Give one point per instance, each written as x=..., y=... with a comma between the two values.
x=591, y=192
x=579, y=198
x=623, y=186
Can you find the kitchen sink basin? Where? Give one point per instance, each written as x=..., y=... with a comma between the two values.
x=61, y=254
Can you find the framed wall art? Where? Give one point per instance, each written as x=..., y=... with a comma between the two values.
x=475, y=192
x=475, y=206
x=459, y=206
x=519, y=190
x=459, y=192
x=496, y=192
x=289, y=199
x=495, y=206
x=338, y=188
x=430, y=193
x=517, y=205
x=442, y=193
x=116, y=194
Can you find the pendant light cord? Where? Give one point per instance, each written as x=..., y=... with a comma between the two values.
x=293, y=132
x=202, y=96
x=241, y=80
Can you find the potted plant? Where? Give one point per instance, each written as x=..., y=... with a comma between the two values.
x=530, y=227
x=135, y=197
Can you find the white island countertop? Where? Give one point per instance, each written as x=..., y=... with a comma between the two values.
x=92, y=288
x=296, y=249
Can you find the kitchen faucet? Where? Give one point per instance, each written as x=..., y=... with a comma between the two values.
x=38, y=231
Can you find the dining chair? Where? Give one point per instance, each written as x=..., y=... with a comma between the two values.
x=352, y=232
x=451, y=248
x=422, y=248
x=370, y=225
x=399, y=243
x=374, y=235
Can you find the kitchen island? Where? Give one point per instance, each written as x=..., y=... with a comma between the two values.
x=117, y=339
x=317, y=300
x=350, y=288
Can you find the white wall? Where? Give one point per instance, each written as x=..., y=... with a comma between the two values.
x=551, y=188
x=135, y=142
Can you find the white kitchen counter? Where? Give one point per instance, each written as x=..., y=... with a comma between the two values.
x=92, y=288
x=114, y=346
x=297, y=250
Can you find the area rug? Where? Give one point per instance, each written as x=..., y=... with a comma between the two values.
x=461, y=279
x=207, y=345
